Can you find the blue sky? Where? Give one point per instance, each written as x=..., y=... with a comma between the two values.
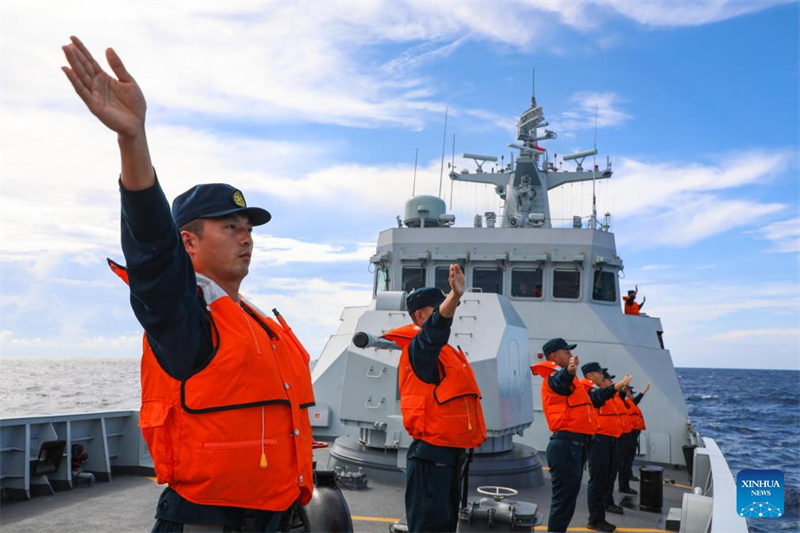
x=315, y=110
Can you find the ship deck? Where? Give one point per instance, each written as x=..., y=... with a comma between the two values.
x=127, y=503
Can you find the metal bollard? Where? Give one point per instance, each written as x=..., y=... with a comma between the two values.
x=651, y=488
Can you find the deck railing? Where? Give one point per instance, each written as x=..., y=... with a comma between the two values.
x=111, y=439
x=711, y=506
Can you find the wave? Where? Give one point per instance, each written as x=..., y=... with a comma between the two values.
x=700, y=397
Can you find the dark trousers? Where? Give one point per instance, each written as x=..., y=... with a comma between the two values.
x=603, y=463
x=627, y=452
x=173, y=513
x=432, y=496
x=566, y=458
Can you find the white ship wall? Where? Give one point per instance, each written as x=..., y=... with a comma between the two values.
x=623, y=343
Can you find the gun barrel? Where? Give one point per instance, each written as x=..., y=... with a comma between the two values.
x=365, y=340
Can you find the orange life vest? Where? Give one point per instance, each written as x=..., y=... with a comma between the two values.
x=565, y=413
x=635, y=415
x=447, y=414
x=609, y=415
x=632, y=309
x=624, y=413
x=237, y=432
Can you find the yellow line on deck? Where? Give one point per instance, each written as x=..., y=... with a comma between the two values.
x=542, y=527
x=375, y=519
x=620, y=529
x=679, y=485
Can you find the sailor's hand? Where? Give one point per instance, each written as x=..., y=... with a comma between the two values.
x=457, y=280
x=572, y=367
x=646, y=388
x=623, y=382
x=636, y=288
x=644, y=299
x=118, y=103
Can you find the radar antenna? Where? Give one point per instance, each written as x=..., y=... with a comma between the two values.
x=414, y=186
x=444, y=140
x=594, y=172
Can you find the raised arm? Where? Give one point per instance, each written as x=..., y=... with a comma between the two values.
x=457, y=285
x=117, y=103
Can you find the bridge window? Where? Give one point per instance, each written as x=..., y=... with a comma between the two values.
x=567, y=284
x=605, y=286
x=413, y=278
x=442, y=278
x=488, y=280
x=381, y=280
x=526, y=283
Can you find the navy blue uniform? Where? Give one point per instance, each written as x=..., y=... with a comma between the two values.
x=628, y=444
x=566, y=456
x=165, y=301
x=603, y=464
x=432, y=472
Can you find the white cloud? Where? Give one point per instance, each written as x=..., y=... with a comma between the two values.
x=784, y=235
x=657, y=267
x=791, y=334
x=657, y=204
x=603, y=106
x=687, y=13
x=70, y=346
x=280, y=250
x=314, y=62
x=312, y=306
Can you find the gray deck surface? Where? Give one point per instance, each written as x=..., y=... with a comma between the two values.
x=128, y=504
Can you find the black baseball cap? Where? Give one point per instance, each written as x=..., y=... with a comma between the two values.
x=424, y=297
x=592, y=367
x=607, y=375
x=211, y=200
x=553, y=345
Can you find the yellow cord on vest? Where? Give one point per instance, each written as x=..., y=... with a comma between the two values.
x=263, y=462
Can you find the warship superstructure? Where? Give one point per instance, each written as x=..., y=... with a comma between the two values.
x=527, y=282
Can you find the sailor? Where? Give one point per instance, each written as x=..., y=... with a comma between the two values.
x=626, y=427
x=604, y=452
x=630, y=441
x=631, y=306
x=225, y=389
x=440, y=404
x=572, y=420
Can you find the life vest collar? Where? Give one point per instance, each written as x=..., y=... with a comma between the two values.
x=545, y=368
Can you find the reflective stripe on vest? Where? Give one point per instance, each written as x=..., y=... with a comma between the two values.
x=447, y=414
x=565, y=413
x=236, y=432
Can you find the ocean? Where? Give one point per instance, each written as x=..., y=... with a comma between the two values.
x=754, y=415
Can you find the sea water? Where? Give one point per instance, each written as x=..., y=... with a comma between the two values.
x=754, y=415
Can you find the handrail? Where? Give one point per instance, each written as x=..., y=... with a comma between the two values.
x=719, y=484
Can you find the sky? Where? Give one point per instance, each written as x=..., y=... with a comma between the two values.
x=316, y=110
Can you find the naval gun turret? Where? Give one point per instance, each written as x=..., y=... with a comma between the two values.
x=495, y=341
